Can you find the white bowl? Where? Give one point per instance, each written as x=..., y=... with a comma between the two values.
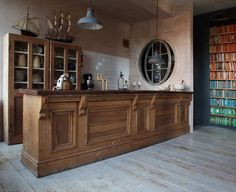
x=179, y=87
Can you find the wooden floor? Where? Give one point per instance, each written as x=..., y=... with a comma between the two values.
x=203, y=161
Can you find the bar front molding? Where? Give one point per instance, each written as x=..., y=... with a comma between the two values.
x=62, y=130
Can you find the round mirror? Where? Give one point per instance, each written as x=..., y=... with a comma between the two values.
x=157, y=61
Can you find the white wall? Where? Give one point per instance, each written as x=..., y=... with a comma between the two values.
x=109, y=66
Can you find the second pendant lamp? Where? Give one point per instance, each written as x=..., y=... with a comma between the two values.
x=89, y=22
x=156, y=59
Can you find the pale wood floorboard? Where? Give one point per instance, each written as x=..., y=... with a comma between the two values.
x=204, y=161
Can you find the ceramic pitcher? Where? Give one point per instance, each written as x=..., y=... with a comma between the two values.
x=21, y=60
x=36, y=62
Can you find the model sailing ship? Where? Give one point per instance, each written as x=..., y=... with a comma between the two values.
x=28, y=25
x=59, y=29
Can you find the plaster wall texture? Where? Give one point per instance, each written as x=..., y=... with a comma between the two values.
x=106, y=43
x=177, y=31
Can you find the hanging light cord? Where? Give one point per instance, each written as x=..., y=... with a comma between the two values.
x=157, y=19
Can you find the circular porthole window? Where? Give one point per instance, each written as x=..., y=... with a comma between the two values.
x=157, y=61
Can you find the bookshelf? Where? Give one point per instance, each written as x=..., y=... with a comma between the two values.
x=223, y=75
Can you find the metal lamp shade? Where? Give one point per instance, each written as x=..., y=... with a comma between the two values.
x=89, y=22
x=156, y=59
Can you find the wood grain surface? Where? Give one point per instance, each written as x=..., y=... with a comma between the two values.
x=201, y=161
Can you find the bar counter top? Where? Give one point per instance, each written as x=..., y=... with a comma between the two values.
x=96, y=92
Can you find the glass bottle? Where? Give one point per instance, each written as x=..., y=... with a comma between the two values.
x=121, y=81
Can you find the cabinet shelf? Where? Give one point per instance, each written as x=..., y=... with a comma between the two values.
x=216, y=115
x=21, y=52
x=215, y=97
x=223, y=43
x=38, y=82
x=19, y=67
x=223, y=107
x=222, y=79
x=230, y=89
x=224, y=33
x=39, y=69
x=220, y=52
x=59, y=57
x=72, y=58
x=71, y=71
x=59, y=70
x=38, y=54
x=224, y=61
x=222, y=70
x=20, y=82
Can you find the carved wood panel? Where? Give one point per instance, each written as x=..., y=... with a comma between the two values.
x=183, y=113
x=63, y=129
x=166, y=115
x=107, y=121
x=18, y=118
x=143, y=117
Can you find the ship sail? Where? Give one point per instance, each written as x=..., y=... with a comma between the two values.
x=50, y=24
x=28, y=25
x=59, y=28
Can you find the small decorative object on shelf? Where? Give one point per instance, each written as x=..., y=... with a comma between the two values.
x=179, y=86
x=223, y=75
x=59, y=28
x=28, y=25
x=88, y=81
x=21, y=60
x=63, y=83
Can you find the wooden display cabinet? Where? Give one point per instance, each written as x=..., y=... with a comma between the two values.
x=32, y=63
x=65, y=59
x=25, y=65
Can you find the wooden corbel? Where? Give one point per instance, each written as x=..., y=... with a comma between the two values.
x=135, y=103
x=153, y=101
x=82, y=105
x=44, y=109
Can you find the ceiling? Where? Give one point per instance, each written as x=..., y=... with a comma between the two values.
x=206, y=6
x=136, y=10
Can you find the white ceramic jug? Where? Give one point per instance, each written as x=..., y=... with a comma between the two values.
x=21, y=60
x=36, y=62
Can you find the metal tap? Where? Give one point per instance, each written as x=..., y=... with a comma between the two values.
x=104, y=82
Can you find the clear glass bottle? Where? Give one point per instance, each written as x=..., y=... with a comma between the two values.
x=121, y=81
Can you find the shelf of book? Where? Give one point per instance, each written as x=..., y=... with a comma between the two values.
x=222, y=49
x=223, y=107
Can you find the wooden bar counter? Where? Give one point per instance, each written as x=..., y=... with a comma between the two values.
x=65, y=129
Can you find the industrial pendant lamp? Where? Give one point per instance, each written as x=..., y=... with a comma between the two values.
x=89, y=22
x=156, y=59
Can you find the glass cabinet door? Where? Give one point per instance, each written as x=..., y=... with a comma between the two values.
x=59, y=64
x=21, y=58
x=39, y=67
x=65, y=59
x=73, y=67
x=30, y=63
